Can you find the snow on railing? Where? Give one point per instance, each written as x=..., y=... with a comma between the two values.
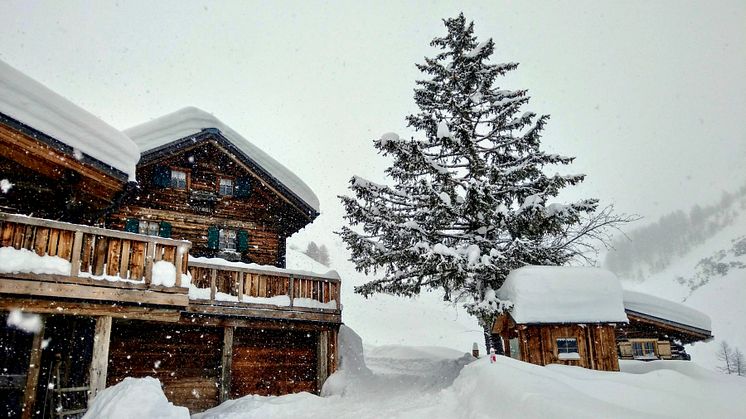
x=232, y=282
x=80, y=251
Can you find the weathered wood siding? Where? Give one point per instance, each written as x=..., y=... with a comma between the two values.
x=267, y=218
x=596, y=345
x=273, y=362
x=186, y=359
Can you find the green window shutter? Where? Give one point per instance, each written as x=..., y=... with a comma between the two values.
x=165, y=230
x=242, y=240
x=242, y=188
x=162, y=177
x=132, y=225
x=213, y=237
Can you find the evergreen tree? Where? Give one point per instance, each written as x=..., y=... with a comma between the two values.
x=324, y=255
x=470, y=199
x=312, y=250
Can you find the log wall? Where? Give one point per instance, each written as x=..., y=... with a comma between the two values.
x=596, y=345
x=264, y=214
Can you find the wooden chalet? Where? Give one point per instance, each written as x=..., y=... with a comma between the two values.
x=180, y=276
x=659, y=329
x=561, y=315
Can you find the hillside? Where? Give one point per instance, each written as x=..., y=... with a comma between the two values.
x=710, y=277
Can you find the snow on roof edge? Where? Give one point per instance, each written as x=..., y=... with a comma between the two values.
x=35, y=105
x=666, y=310
x=189, y=121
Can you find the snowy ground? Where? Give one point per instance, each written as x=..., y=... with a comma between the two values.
x=432, y=382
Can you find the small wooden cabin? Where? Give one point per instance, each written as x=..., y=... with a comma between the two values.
x=561, y=315
x=132, y=298
x=659, y=329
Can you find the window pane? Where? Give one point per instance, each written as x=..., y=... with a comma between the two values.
x=226, y=186
x=178, y=179
x=567, y=345
x=227, y=239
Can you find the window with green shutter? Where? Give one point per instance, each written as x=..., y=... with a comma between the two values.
x=162, y=177
x=132, y=225
x=242, y=187
x=242, y=240
x=213, y=237
x=164, y=230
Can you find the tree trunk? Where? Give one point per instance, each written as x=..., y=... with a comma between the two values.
x=492, y=341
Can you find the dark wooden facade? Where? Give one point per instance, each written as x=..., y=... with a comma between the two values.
x=50, y=181
x=648, y=338
x=264, y=212
x=541, y=344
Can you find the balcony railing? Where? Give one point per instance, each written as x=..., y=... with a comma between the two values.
x=64, y=252
x=235, y=283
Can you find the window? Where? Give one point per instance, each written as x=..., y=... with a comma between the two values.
x=151, y=228
x=178, y=179
x=227, y=240
x=567, y=348
x=515, y=349
x=644, y=350
x=226, y=187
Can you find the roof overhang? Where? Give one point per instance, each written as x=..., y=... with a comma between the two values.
x=686, y=333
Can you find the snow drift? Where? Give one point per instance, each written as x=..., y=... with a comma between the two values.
x=135, y=398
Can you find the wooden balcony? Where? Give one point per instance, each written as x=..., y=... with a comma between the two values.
x=51, y=259
x=48, y=266
x=263, y=292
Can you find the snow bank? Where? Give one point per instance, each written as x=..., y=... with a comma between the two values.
x=135, y=398
x=351, y=363
x=33, y=104
x=28, y=322
x=563, y=294
x=25, y=261
x=665, y=309
x=189, y=121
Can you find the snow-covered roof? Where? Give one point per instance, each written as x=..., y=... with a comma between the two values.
x=190, y=121
x=563, y=294
x=666, y=310
x=31, y=103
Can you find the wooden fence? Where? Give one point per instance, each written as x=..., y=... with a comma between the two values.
x=94, y=251
x=242, y=284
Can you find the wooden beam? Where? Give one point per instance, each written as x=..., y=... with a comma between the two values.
x=100, y=359
x=51, y=289
x=322, y=359
x=94, y=282
x=291, y=290
x=226, y=364
x=75, y=259
x=135, y=312
x=213, y=287
x=32, y=377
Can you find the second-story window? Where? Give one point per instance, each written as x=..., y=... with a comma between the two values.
x=227, y=240
x=151, y=228
x=226, y=187
x=178, y=179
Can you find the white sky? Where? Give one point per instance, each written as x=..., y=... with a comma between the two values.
x=651, y=98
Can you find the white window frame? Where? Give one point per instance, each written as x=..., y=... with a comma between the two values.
x=150, y=228
x=178, y=179
x=647, y=349
x=226, y=189
x=228, y=240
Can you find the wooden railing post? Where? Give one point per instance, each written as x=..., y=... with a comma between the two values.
x=32, y=377
x=75, y=259
x=291, y=289
x=213, y=288
x=149, y=255
x=100, y=358
x=177, y=262
x=240, y=285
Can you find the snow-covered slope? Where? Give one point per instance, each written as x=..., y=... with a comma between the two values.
x=712, y=279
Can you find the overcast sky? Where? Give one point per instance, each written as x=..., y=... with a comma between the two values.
x=651, y=98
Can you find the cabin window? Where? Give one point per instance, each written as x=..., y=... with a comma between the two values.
x=644, y=350
x=178, y=179
x=151, y=228
x=226, y=187
x=567, y=348
x=227, y=240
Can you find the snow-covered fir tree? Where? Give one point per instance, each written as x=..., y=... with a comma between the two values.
x=470, y=198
